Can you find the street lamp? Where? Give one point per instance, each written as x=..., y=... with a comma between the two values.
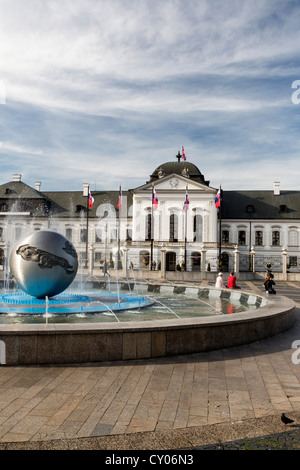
x=86, y=191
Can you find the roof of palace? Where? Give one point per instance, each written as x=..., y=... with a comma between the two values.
x=257, y=204
x=16, y=196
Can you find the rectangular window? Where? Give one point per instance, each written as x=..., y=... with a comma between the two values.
x=242, y=237
x=293, y=238
x=258, y=238
x=148, y=227
x=69, y=234
x=275, y=238
x=293, y=261
x=83, y=234
x=98, y=236
x=18, y=232
x=225, y=236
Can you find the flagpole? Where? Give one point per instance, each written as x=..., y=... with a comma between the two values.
x=152, y=224
x=119, y=228
x=185, y=235
x=87, y=227
x=220, y=233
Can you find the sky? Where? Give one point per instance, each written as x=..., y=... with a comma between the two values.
x=105, y=91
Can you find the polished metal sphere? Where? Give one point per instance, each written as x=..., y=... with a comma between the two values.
x=43, y=263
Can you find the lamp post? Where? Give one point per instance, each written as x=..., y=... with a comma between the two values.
x=86, y=191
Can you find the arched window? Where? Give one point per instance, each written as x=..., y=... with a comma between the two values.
x=196, y=261
x=197, y=226
x=173, y=228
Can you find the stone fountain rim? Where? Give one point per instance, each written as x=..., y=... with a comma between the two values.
x=275, y=306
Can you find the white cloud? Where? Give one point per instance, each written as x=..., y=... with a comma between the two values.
x=119, y=79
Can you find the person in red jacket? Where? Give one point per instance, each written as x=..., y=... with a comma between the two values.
x=232, y=281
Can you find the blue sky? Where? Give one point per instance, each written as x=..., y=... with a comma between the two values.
x=104, y=91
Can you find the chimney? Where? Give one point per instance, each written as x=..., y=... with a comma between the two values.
x=38, y=186
x=86, y=187
x=276, y=188
x=16, y=177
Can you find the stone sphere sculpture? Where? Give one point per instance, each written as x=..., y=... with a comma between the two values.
x=43, y=264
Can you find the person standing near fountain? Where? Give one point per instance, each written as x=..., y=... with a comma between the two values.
x=269, y=283
x=105, y=269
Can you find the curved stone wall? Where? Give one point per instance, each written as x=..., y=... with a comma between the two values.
x=30, y=344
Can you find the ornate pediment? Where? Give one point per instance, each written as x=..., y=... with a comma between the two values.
x=175, y=182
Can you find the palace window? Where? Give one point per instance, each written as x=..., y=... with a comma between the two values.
x=275, y=238
x=148, y=227
x=293, y=238
x=225, y=236
x=242, y=237
x=83, y=235
x=69, y=234
x=197, y=228
x=173, y=228
x=293, y=261
x=258, y=237
x=98, y=235
x=18, y=232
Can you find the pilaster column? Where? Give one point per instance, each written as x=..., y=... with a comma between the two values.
x=236, y=261
x=163, y=262
x=252, y=254
x=203, y=261
x=125, y=254
x=91, y=260
x=284, y=263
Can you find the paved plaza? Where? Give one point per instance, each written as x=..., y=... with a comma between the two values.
x=231, y=398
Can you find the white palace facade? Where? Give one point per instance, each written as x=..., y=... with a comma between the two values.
x=253, y=229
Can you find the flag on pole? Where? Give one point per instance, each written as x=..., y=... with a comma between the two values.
x=186, y=202
x=154, y=199
x=183, y=155
x=91, y=201
x=120, y=199
x=218, y=199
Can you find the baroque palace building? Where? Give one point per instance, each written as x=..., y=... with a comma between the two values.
x=254, y=228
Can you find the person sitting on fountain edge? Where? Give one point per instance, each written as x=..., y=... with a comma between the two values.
x=232, y=281
x=220, y=282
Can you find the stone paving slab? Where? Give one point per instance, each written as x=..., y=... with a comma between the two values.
x=230, y=398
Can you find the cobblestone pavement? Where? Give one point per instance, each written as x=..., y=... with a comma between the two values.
x=227, y=399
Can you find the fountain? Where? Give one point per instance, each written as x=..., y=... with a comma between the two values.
x=44, y=265
x=119, y=326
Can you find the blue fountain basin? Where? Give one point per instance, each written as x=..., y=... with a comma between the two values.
x=95, y=302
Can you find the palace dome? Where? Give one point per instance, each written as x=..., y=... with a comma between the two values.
x=182, y=168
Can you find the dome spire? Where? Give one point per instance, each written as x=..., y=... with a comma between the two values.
x=178, y=156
